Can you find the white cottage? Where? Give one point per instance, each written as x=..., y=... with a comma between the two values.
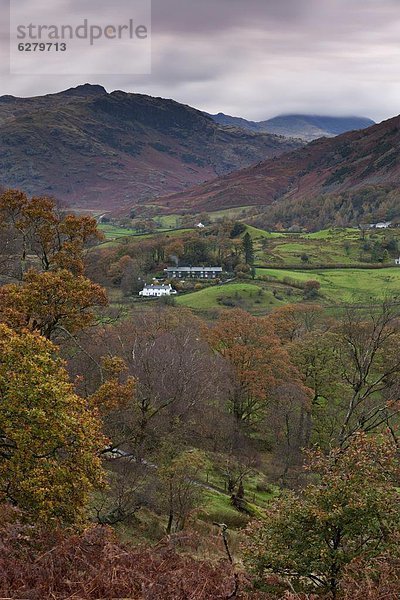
x=397, y=262
x=156, y=291
x=382, y=225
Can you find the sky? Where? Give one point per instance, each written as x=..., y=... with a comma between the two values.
x=251, y=58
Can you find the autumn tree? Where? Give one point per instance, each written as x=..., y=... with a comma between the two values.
x=350, y=512
x=258, y=360
x=293, y=321
x=49, y=437
x=50, y=303
x=41, y=236
x=311, y=289
x=179, y=379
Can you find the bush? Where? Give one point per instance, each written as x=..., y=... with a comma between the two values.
x=37, y=564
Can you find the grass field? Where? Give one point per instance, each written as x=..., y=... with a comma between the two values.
x=249, y=296
x=358, y=286
x=327, y=247
x=346, y=285
x=168, y=221
x=112, y=232
x=114, y=235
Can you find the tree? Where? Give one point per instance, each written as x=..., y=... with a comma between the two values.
x=351, y=512
x=51, y=302
x=368, y=353
x=315, y=356
x=248, y=249
x=305, y=258
x=178, y=378
x=311, y=289
x=180, y=491
x=293, y=321
x=35, y=228
x=49, y=437
x=196, y=251
x=237, y=229
x=258, y=360
x=288, y=418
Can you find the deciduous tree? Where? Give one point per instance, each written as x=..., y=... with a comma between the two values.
x=258, y=360
x=351, y=512
x=51, y=302
x=50, y=438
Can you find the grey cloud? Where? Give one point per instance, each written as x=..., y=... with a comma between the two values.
x=257, y=58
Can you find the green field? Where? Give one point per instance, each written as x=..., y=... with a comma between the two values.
x=167, y=221
x=242, y=295
x=236, y=212
x=346, y=285
x=322, y=248
x=112, y=232
x=114, y=235
x=338, y=286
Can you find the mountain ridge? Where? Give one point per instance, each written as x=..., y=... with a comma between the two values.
x=324, y=167
x=98, y=150
x=303, y=126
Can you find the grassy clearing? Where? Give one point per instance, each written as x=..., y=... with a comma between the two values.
x=218, y=509
x=112, y=232
x=257, y=489
x=132, y=235
x=346, y=285
x=244, y=295
x=168, y=221
x=260, y=234
x=236, y=212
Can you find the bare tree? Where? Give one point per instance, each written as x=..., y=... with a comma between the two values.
x=368, y=352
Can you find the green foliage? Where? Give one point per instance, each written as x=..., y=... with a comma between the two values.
x=237, y=229
x=248, y=249
x=352, y=511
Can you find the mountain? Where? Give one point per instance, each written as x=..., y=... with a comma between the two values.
x=99, y=150
x=326, y=167
x=305, y=127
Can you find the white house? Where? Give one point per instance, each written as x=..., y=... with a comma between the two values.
x=397, y=262
x=156, y=291
x=382, y=225
x=200, y=225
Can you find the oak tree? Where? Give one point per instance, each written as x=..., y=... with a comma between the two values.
x=50, y=437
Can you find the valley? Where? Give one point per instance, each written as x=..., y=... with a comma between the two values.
x=199, y=353
x=351, y=266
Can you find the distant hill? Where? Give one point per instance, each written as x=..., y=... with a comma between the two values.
x=302, y=181
x=305, y=127
x=98, y=150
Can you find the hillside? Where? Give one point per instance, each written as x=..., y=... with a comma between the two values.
x=305, y=127
x=97, y=150
x=327, y=167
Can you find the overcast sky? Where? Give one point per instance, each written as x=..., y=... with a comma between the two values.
x=256, y=58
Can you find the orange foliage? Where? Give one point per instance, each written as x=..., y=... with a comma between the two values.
x=49, y=301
